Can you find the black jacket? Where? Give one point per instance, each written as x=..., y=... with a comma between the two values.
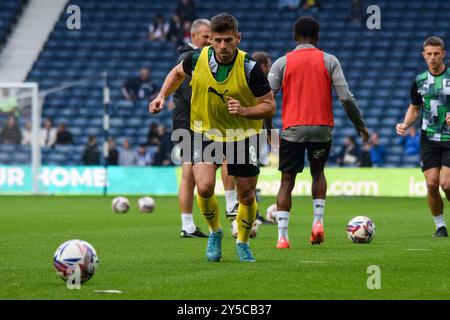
x=182, y=97
x=91, y=155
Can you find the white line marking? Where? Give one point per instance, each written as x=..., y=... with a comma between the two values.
x=107, y=291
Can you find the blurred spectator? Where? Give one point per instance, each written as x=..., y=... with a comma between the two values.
x=143, y=157
x=153, y=138
x=186, y=32
x=91, y=154
x=140, y=88
x=113, y=154
x=186, y=10
x=175, y=30
x=159, y=28
x=263, y=59
x=127, y=157
x=349, y=154
x=8, y=102
x=48, y=134
x=377, y=151
x=411, y=142
x=310, y=7
x=27, y=133
x=356, y=13
x=11, y=133
x=63, y=136
x=365, y=159
x=289, y=4
x=163, y=154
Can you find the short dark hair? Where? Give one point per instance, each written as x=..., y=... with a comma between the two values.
x=261, y=57
x=306, y=27
x=434, y=41
x=224, y=22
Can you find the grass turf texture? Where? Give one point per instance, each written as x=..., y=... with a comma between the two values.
x=143, y=256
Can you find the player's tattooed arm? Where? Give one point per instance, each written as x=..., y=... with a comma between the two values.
x=171, y=83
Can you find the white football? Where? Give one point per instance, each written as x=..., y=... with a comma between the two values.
x=73, y=255
x=146, y=204
x=271, y=213
x=234, y=229
x=361, y=229
x=120, y=205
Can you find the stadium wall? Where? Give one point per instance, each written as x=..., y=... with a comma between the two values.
x=79, y=180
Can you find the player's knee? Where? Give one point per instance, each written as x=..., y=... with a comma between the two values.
x=246, y=196
x=317, y=172
x=445, y=185
x=287, y=182
x=433, y=186
x=189, y=181
x=205, y=189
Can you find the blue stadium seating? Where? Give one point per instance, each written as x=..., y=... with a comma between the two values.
x=380, y=65
x=9, y=11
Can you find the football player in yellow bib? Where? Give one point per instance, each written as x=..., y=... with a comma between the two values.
x=230, y=98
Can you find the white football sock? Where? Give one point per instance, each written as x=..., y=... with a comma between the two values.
x=187, y=222
x=319, y=210
x=439, y=221
x=283, y=223
x=230, y=199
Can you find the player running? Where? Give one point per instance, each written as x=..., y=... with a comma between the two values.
x=200, y=37
x=229, y=92
x=305, y=76
x=430, y=97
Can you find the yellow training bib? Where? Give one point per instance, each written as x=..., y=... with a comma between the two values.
x=209, y=107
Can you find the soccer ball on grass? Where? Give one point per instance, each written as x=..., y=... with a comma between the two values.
x=361, y=229
x=146, y=204
x=120, y=205
x=73, y=255
x=271, y=213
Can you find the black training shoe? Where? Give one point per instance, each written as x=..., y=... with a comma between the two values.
x=196, y=234
x=261, y=218
x=441, y=232
x=231, y=215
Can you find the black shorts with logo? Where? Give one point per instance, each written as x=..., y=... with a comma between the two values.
x=434, y=154
x=242, y=157
x=292, y=155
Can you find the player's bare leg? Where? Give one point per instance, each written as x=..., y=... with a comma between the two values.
x=186, y=200
x=246, y=216
x=435, y=203
x=284, y=204
x=444, y=181
x=319, y=193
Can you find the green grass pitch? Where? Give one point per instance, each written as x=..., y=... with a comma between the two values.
x=143, y=256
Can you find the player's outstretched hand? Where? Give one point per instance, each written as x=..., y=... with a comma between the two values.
x=156, y=105
x=401, y=129
x=234, y=107
x=447, y=119
x=364, y=135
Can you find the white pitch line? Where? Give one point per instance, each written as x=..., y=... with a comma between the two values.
x=418, y=249
x=107, y=291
